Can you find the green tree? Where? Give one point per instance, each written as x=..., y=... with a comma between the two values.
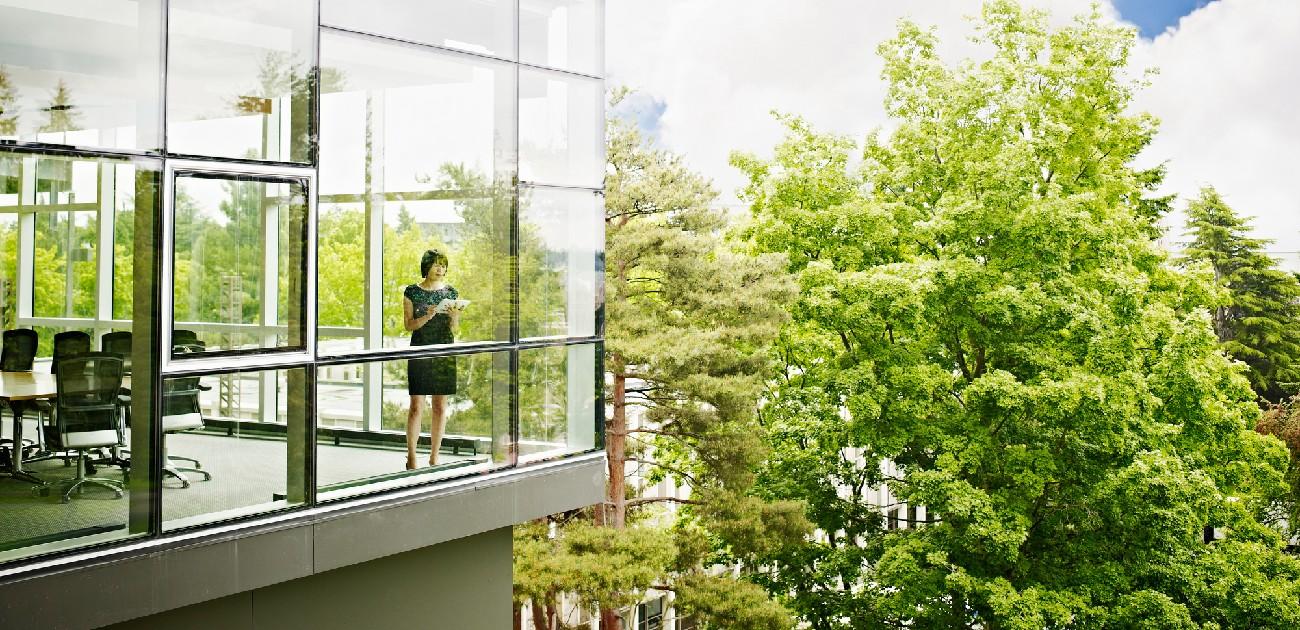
x=8, y=104
x=1259, y=322
x=984, y=309
x=61, y=113
x=690, y=326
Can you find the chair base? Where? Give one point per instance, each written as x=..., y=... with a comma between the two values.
x=78, y=484
x=179, y=473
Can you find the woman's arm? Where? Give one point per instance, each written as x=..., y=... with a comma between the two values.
x=413, y=323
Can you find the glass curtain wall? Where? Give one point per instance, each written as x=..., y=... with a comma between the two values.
x=345, y=246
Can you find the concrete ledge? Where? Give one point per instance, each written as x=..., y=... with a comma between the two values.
x=160, y=574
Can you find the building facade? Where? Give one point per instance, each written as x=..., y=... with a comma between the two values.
x=249, y=189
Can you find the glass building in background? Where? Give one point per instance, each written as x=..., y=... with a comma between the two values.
x=247, y=187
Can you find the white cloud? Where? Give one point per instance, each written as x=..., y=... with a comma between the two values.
x=1226, y=93
x=1227, y=97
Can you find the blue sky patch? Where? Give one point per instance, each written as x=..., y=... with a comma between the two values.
x=1152, y=17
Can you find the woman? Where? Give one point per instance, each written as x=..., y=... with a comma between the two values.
x=435, y=377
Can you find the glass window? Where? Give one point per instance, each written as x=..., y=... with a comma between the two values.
x=416, y=154
x=560, y=240
x=565, y=34
x=561, y=129
x=81, y=73
x=239, y=79
x=366, y=428
x=233, y=444
x=557, y=401
x=483, y=26
x=239, y=264
x=40, y=214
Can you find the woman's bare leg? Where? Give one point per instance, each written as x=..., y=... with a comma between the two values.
x=413, y=429
x=439, y=422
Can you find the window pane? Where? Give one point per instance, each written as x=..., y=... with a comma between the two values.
x=36, y=523
x=81, y=73
x=233, y=445
x=564, y=34
x=560, y=129
x=239, y=262
x=416, y=145
x=560, y=238
x=481, y=26
x=364, y=410
x=557, y=401
x=239, y=78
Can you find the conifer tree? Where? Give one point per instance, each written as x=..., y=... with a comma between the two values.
x=688, y=345
x=61, y=113
x=1259, y=321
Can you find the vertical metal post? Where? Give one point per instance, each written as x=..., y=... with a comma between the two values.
x=145, y=502
x=373, y=322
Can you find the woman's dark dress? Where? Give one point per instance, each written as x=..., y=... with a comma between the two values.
x=435, y=375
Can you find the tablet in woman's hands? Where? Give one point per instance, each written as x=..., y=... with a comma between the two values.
x=448, y=304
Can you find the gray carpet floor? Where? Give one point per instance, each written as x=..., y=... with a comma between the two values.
x=247, y=474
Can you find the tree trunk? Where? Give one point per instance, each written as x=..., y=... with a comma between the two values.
x=616, y=453
x=614, y=512
x=539, y=616
x=519, y=617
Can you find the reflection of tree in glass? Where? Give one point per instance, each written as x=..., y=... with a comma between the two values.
x=61, y=114
x=208, y=251
x=281, y=75
x=8, y=105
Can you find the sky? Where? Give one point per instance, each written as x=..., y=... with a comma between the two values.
x=709, y=72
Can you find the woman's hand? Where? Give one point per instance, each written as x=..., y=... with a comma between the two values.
x=454, y=314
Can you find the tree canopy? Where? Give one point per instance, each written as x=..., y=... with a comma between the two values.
x=1258, y=322
x=985, y=310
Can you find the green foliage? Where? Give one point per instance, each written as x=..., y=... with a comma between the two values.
x=1259, y=323
x=61, y=113
x=602, y=566
x=8, y=104
x=983, y=305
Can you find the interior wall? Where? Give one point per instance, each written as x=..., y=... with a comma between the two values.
x=464, y=584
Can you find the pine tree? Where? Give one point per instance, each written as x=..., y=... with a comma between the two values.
x=690, y=328
x=1259, y=322
x=61, y=112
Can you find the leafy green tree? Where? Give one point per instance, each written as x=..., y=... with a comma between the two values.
x=690, y=326
x=1259, y=323
x=983, y=307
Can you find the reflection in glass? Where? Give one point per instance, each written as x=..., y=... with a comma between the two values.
x=363, y=410
x=233, y=444
x=239, y=79
x=557, y=401
x=561, y=132
x=45, y=204
x=230, y=288
x=417, y=154
x=560, y=237
x=83, y=74
x=563, y=34
x=482, y=26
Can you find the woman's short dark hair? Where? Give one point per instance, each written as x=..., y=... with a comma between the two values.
x=431, y=257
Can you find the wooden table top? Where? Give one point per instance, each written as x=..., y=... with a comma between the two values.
x=27, y=385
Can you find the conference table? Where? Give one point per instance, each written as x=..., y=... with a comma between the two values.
x=18, y=390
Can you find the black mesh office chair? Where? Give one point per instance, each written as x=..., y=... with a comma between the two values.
x=181, y=410
x=118, y=342
x=18, y=355
x=68, y=344
x=19, y=350
x=87, y=413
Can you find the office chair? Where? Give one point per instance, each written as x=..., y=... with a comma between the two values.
x=86, y=414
